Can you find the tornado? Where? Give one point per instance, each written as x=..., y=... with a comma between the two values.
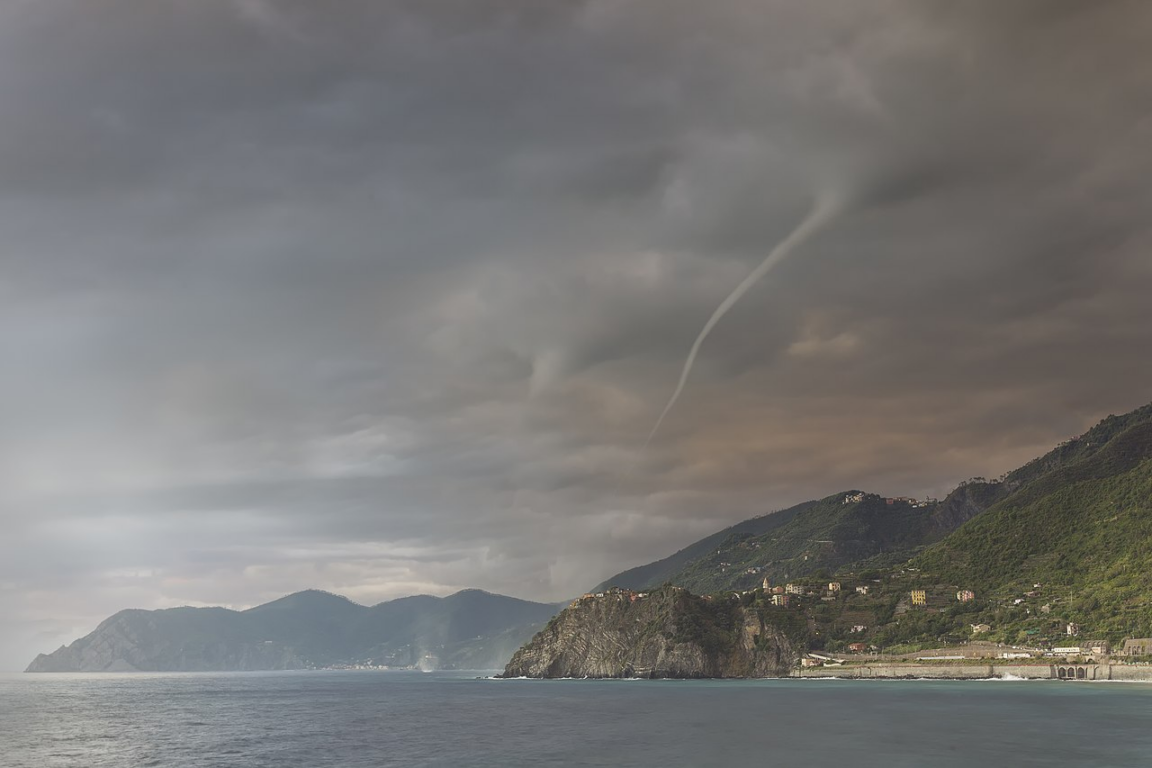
x=824, y=209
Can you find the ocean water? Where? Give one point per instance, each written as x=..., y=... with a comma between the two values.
x=347, y=719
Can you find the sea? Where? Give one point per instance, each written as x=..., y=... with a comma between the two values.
x=371, y=718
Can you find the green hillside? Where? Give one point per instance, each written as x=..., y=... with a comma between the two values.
x=813, y=537
x=1082, y=531
x=820, y=539
x=667, y=569
x=1065, y=539
x=816, y=537
x=1069, y=544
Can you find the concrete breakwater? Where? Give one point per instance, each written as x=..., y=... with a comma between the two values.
x=895, y=671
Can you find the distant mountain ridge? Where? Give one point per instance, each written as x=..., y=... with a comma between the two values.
x=471, y=629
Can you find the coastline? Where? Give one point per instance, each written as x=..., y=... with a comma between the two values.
x=895, y=671
x=1064, y=672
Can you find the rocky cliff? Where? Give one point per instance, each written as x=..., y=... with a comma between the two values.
x=668, y=633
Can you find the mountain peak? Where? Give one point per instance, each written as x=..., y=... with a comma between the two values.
x=309, y=600
x=470, y=593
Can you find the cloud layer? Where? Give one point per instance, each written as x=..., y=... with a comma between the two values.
x=384, y=297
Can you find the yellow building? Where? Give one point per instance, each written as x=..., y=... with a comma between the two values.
x=833, y=586
x=919, y=597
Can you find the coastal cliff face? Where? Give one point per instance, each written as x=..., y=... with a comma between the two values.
x=668, y=633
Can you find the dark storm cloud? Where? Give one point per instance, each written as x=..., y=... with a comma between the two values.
x=383, y=297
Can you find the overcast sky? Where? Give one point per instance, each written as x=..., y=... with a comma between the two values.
x=383, y=297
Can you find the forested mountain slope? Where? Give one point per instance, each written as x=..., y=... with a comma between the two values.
x=1076, y=521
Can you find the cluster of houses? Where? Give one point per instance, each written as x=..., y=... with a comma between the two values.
x=919, y=597
x=615, y=593
x=858, y=496
x=1088, y=649
x=782, y=594
x=1133, y=647
x=785, y=590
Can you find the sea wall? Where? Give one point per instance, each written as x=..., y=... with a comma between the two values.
x=942, y=671
x=1085, y=672
x=1127, y=672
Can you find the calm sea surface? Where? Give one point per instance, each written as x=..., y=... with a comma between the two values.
x=316, y=719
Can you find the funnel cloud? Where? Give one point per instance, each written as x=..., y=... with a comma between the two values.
x=824, y=208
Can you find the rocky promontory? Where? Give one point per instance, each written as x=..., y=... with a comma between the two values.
x=666, y=633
